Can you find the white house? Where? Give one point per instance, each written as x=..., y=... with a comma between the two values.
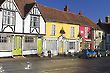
x=21, y=28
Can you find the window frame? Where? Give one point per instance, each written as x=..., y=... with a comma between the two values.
x=86, y=32
x=3, y=39
x=9, y=17
x=35, y=23
x=53, y=30
x=72, y=32
x=29, y=39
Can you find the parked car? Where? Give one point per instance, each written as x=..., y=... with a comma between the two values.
x=87, y=53
x=102, y=52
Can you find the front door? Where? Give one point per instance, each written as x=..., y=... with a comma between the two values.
x=17, y=46
x=61, y=47
x=39, y=45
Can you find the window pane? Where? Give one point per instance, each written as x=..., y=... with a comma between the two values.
x=72, y=31
x=8, y=17
x=35, y=21
x=53, y=30
x=29, y=39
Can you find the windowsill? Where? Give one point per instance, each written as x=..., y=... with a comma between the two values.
x=34, y=27
x=72, y=37
x=52, y=35
x=9, y=24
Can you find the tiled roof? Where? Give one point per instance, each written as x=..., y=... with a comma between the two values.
x=54, y=15
x=24, y=6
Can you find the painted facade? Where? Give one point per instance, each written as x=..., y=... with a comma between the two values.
x=58, y=43
x=27, y=28
x=85, y=36
x=98, y=39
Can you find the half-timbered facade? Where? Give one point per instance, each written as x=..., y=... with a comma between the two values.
x=21, y=28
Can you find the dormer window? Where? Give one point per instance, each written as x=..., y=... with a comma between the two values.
x=8, y=17
x=9, y=13
x=35, y=21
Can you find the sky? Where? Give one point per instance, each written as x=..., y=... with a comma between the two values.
x=93, y=9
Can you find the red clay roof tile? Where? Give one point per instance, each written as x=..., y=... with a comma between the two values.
x=54, y=15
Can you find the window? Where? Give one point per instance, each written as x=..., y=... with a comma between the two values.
x=35, y=21
x=3, y=39
x=99, y=34
x=71, y=45
x=108, y=38
x=72, y=31
x=29, y=39
x=8, y=17
x=53, y=29
x=86, y=32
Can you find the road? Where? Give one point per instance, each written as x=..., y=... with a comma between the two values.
x=63, y=65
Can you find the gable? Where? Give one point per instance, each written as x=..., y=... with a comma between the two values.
x=35, y=11
x=9, y=5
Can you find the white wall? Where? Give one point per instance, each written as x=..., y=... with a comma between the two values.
x=0, y=21
x=42, y=26
x=27, y=24
x=19, y=25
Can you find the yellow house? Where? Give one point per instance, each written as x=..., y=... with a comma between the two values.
x=61, y=31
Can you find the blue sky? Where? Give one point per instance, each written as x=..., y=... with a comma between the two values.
x=94, y=9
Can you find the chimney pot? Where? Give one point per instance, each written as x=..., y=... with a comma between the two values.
x=80, y=13
x=107, y=19
x=66, y=8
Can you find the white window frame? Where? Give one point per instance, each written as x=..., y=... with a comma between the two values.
x=35, y=21
x=72, y=34
x=73, y=45
x=9, y=17
x=53, y=31
x=99, y=34
x=86, y=32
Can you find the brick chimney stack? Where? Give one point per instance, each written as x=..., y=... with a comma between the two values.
x=66, y=8
x=107, y=19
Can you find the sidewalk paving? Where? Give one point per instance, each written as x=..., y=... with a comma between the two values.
x=19, y=58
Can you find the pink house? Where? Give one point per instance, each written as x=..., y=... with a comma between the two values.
x=86, y=37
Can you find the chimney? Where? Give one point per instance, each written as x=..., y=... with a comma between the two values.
x=66, y=8
x=80, y=13
x=107, y=19
x=99, y=21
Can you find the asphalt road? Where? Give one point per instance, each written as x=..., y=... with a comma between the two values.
x=63, y=65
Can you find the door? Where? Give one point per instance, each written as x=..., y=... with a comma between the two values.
x=39, y=45
x=17, y=46
x=61, y=47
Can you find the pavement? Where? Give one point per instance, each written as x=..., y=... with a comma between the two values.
x=17, y=58
x=58, y=64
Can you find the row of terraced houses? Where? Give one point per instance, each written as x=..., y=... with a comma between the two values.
x=29, y=28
